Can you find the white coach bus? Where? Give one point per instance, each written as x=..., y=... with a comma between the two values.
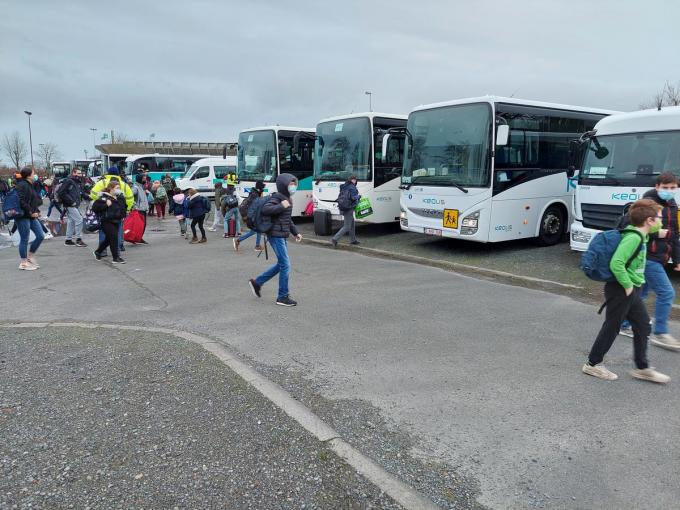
x=624, y=155
x=353, y=145
x=265, y=152
x=491, y=169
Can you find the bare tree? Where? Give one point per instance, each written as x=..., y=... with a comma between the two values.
x=15, y=148
x=669, y=95
x=120, y=137
x=47, y=153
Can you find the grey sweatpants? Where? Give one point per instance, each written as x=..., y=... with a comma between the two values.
x=347, y=227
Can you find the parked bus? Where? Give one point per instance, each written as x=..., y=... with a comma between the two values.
x=61, y=168
x=204, y=173
x=353, y=145
x=160, y=164
x=623, y=156
x=265, y=152
x=95, y=170
x=491, y=169
x=109, y=160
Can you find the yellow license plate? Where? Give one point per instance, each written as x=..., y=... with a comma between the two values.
x=450, y=219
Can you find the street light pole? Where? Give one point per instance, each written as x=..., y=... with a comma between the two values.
x=93, y=140
x=370, y=102
x=30, y=136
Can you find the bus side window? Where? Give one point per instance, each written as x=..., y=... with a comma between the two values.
x=391, y=168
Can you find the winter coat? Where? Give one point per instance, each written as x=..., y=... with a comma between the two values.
x=353, y=194
x=198, y=206
x=282, y=219
x=177, y=204
x=662, y=249
x=113, y=213
x=169, y=184
x=219, y=193
x=161, y=195
x=104, y=182
x=227, y=192
x=29, y=199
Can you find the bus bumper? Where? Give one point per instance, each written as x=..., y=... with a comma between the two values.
x=580, y=236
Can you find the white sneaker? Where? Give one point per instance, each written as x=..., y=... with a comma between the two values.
x=211, y=229
x=27, y=266
x=627, y=331
x=666, y=341
x=599, y=371
x=650, y=374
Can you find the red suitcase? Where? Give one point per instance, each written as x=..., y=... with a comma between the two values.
x=231, y=227
x=133, y=227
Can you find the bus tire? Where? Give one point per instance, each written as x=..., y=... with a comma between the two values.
x=551, y=229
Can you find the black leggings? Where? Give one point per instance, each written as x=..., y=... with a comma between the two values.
x=110, y=239
x=198, y=221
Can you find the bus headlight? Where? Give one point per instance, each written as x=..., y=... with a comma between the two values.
x=470, y=224
x=579, y=236
x=402, y=218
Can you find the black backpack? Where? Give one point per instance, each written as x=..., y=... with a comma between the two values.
x=230, y=201
x=344, y=200
x=245, y=205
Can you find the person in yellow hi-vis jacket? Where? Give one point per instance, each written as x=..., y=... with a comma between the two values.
x=114, y=173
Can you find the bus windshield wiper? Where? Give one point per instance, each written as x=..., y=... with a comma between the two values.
x=445, y=182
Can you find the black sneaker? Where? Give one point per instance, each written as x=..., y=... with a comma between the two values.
x=104, y=254
x=80, y=243
x=68, y=242
x=255, y=287
x=334, y=243
x=118, y=261
x=286, y=301
x=355, y=242
x=97, y=255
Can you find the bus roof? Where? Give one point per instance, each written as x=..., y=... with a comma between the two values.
x=666, y=119
x=278, y=128
x=61, y=163
x=370, y=115
x=135, y=157
x=215, y=159
x=513, y=100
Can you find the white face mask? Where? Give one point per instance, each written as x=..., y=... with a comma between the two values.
x=292, y=189
x=117, y=191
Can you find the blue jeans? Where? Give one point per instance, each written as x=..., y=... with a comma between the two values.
x=249, y=234
x=102, y=236
x=24, y=226
x=657, y=280
x=282, y=266
x=237, y=220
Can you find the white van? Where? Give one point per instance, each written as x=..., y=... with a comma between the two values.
x=204, y=173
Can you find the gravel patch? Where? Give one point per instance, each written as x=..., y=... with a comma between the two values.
x=123, y=419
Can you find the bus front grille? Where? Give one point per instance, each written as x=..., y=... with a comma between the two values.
x=600, y=216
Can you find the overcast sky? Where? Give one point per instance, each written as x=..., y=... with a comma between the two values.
x=202, y=71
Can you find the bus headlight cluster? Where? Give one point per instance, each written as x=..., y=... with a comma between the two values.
x=470, y=224
x=402, y=218
x=580, y=237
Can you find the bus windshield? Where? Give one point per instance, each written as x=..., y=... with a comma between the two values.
x=257, y=156
x=343, y=148
x=450, y=146
x=633, y=159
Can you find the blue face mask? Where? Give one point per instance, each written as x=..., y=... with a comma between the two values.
x=665, y=194
x=292, y=189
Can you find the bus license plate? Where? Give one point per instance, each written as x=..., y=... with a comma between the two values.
x=433, y=231
x=450, y=219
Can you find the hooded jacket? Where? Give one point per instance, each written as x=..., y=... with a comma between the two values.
x=282, y=219
x=177, y=204
x=662, y=249
x=198, y=206
x=70, y=192
x=353, y=193
x=141, y=200
x=29, y=199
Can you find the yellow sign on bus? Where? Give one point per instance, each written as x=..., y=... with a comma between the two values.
x=450, y=219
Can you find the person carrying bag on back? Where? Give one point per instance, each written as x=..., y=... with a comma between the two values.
x=348, y=198
x=622, y=295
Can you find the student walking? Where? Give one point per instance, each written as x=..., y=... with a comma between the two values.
x=663, y=245
x=30, y=203
x=111, y=208
x=141, y=201
x=161, y=198
x=219, y=217
x=254, y=194
x=622, y=296
x=279, y=207
x=348, y=198
x=70, y=195
x=198, y=208
x=229, y=203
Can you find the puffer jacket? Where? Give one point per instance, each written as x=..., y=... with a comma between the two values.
x=198, y=206
x=663, y=249
x=113, y=213
x=28, y=197
x=177, y=204
x=282, y=218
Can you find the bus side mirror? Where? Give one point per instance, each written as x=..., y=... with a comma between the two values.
x=502, y=135
x=224, y=152
x=573, y=160
x=383, y=154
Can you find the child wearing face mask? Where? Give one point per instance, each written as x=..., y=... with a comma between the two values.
x=111, y=207
x=663, y=246
x=622, y=295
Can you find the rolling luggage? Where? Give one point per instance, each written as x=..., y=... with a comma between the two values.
x=133, y=227
x=322, y=222
x=231, y=227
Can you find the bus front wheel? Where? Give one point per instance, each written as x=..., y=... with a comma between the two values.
x=552, y=226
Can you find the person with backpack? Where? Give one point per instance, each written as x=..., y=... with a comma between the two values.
x=663, y=246
x=348, y=198
x=26, y=218
x=229, y=203
x=219, y=217
x=198, y=207
x=160, y=197
x=622, y=294
x=111, y=207
x=113, y=173
x=70, y=196
x=278, y=209
x=169, y=184
x=255, y=193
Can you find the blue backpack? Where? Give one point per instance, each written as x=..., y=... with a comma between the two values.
x=595, y=261
x=256, y=220
x=11, y=207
